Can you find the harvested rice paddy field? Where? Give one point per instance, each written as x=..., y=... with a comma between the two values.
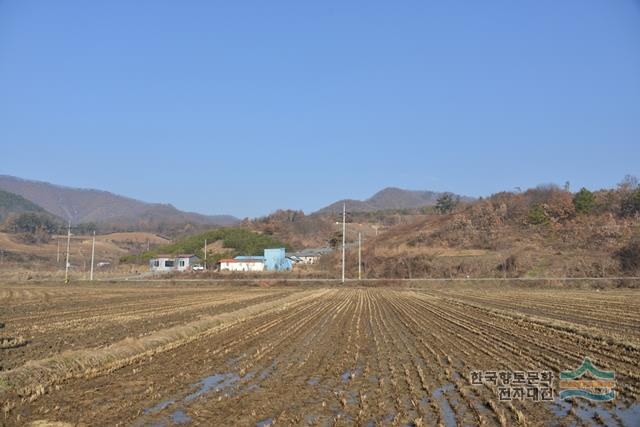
x=206, y=354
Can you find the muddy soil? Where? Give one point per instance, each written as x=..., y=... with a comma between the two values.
x=319, y=356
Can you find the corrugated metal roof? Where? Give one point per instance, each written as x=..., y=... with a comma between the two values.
x=311, y=252
x=174, y=256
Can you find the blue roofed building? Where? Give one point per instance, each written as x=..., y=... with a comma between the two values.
x=273, y=259
x=249, y=257
x=276, y=260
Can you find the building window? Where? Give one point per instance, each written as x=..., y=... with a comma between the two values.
x=168, y=263
x=156, y=263
x=181, y=263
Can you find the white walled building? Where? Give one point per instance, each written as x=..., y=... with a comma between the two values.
x=245, y=264
x=184, y=262
x=180, y=262
x=162, y=263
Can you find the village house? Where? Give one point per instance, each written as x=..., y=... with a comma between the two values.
x=272, y=260
x=308, y=256
x=166, y=263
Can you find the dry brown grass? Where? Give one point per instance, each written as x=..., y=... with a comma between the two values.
x=32, y=378
x=6, y=343
x=407, y=353
x=133, y=236
x=47, y=423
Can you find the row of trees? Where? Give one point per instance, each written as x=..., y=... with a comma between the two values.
x=557, y=204
x=31, y=227
x=37, y=227
x=625, y=200
x=549, y=203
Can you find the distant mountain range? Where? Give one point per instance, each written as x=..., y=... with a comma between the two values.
x=389, y=198
x=100, y=207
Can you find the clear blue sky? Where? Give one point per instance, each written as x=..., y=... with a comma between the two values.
x=243, y=107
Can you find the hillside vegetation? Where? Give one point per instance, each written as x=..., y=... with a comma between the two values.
x=323, y=229
x=294, y=227
x=11, y=203
x=545, y=231
x=223, y=242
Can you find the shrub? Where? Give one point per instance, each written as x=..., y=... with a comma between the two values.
x=630, y=203
x=335, y=240
x=538, y=216
x=510, y=264
x=629, y=256
x=560, y=206
x=446, y=203
x=584, y=201
x=556, y=203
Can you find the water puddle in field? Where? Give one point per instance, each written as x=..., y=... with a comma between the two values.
x=447, y=412
x=159, y=407
x=267, y=371
x=350, y=374
x=313, y=381
x=230, y=383
x=587, y=414
x=179, y=417
x=462, y=411
x=629, y=415
x=217, y=382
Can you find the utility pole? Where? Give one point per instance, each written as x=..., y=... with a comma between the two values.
x=205, y=254
x=66, y=265
x=359, y=256
x=344, y=236
x=93, y=251
x=58, y=251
